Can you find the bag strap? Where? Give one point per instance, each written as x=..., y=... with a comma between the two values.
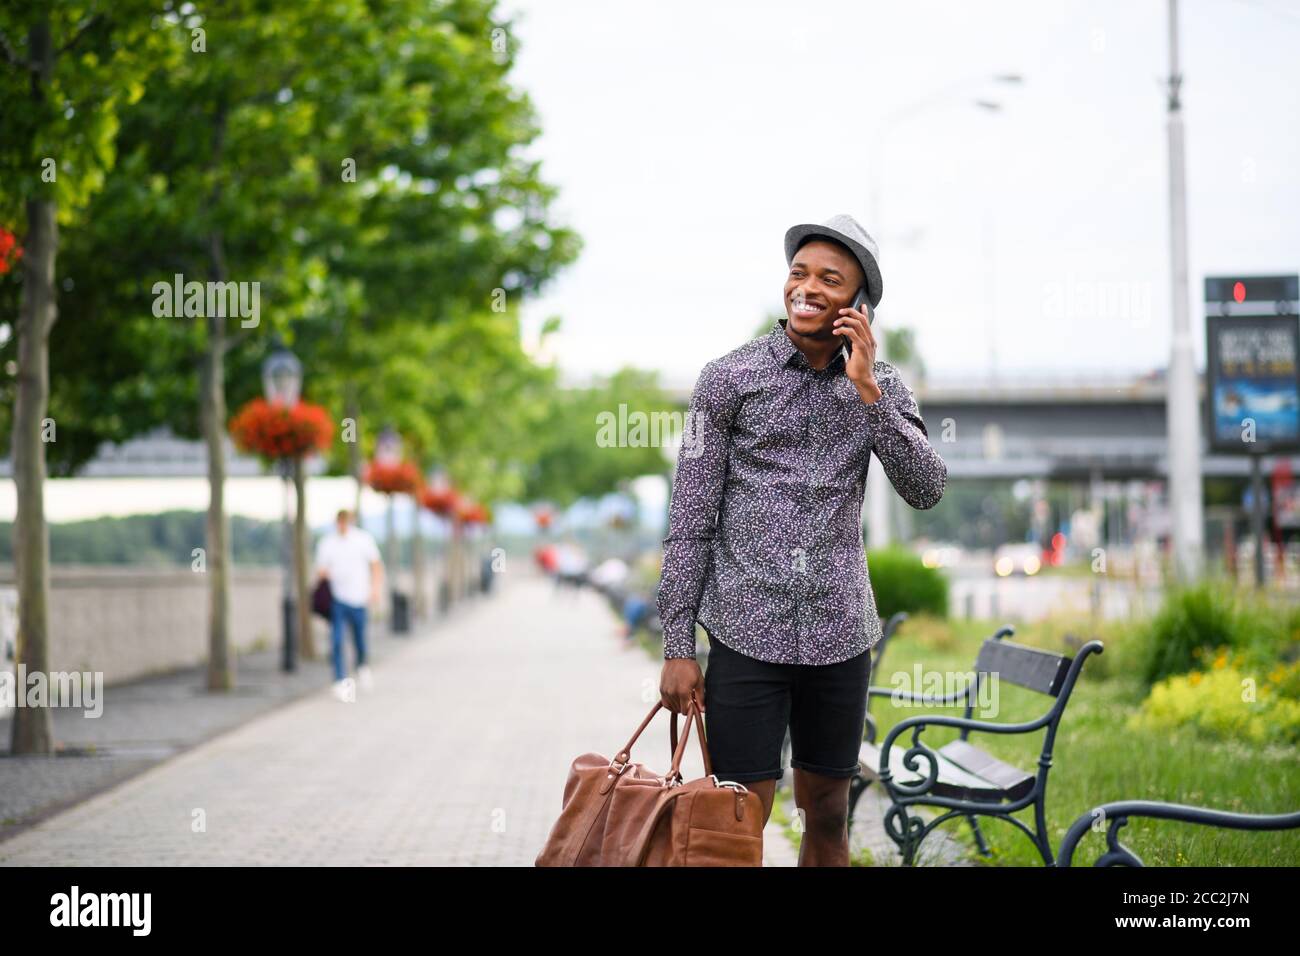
x=679, y=751
x=672, y=733
x=636, y=853
x=624, y=756
x=584, y=825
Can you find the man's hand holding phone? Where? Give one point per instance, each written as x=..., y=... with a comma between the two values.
x=854, y=326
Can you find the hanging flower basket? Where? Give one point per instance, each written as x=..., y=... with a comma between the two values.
x=471, y=512
x=10, y=251
x=276, y=431
x=402, y=478
x=441, y=501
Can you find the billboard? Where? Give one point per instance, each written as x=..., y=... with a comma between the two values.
x=1252, y=373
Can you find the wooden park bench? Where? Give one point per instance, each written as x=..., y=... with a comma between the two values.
x=959, y=776
x=1117, y=815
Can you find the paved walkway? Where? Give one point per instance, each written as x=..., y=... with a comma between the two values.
x=457, y=757
x=150, y=719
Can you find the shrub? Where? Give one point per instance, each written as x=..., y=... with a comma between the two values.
x=1201, y=616
x=902, y=582
x=1217, y=702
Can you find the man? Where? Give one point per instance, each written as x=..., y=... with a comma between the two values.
x=764, y=543
x=349, y=559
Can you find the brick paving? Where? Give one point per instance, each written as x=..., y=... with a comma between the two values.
x=457, y=757
x=148, y=720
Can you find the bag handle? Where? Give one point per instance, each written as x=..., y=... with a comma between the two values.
x=624, y=756
x=692, y=716
x=672, y=732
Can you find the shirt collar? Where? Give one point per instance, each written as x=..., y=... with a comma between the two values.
x=786, y=352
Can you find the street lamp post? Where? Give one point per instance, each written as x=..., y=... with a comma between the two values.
x=1186, y=497
x=281, y=385
x=388, y=451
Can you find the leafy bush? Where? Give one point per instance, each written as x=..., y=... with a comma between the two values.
x=1198, y=617
x=1227, y=702
x=902, y=582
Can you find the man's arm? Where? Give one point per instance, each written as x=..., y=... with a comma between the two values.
x=902, y=443
x=693, y=510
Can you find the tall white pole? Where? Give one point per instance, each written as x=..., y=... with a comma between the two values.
x=1182, y=405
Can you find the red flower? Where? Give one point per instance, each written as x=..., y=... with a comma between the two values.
x=281, y=431
x=401, y=478
x=441, y=501
x=471, y=512
x=10, y=251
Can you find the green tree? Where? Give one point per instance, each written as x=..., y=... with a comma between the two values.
x=67, y=71
x=583, y=453
x=362, y=163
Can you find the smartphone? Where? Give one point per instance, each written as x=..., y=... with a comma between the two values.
x=859, y=303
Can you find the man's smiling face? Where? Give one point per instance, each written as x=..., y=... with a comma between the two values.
x=823, y=278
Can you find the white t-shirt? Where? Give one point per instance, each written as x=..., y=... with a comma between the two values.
x=346, y=559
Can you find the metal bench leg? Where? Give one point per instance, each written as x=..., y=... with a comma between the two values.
x=979, y=835
x=906, y=831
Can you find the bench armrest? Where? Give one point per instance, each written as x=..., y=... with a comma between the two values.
x=1118, y=812
x=950, y=700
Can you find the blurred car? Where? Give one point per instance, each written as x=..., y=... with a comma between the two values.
x=941, y=554
x=1019, y=557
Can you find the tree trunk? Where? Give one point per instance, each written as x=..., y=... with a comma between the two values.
x=221, y=675
x=32, y=730
x=306, y=645
x=33, y=727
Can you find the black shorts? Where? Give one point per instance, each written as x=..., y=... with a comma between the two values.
x=748, y=704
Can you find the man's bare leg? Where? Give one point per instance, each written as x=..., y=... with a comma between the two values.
x=825, y=805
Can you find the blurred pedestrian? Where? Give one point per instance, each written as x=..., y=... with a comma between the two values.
x=349, y=559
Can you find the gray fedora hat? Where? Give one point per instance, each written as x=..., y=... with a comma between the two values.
x=845, y=229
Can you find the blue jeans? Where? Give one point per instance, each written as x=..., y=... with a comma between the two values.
x=356, y=618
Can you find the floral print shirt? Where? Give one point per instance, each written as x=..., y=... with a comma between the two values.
x=764, y=545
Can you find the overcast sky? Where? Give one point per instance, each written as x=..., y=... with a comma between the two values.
x=687, y=136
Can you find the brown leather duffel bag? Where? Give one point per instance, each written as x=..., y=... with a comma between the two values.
x=619, y=813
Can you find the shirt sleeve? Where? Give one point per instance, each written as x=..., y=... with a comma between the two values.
x=372, y=549
x=320, y=551
x=693, y=510
x=902, y=444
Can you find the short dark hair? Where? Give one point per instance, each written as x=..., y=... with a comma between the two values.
x=343, y=513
